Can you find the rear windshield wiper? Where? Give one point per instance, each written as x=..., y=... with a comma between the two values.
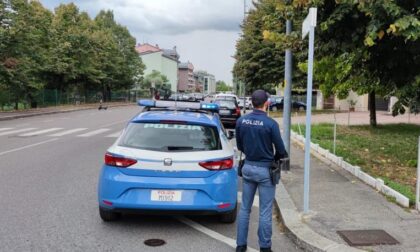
x=169, y=148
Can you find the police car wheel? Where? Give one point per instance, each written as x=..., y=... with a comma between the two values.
x=107, y=215
x=274, y=108
x=229, y=217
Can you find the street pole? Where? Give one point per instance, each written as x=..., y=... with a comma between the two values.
x=418, y=178
x=308, y=26
x=335, y=132
x=287, y=92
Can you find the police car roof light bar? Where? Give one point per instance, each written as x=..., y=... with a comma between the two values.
x=179, y=105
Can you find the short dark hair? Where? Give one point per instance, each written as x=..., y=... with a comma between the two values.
x=259, y=97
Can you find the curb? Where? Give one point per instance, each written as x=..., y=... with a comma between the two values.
x=300, y=233
x=12, y=117
x=329, y=158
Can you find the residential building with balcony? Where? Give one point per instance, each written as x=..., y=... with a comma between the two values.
x=186, y=81
x=205, y=82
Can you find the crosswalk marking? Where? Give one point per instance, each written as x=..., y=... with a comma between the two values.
x=116, y=134
x=3, y=129
x=39, y=132
x=16, y=131
x=67, y=132
x=95, y=132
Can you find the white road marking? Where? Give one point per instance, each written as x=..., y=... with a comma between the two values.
x=213, y=234
x=39, y=132
x=67, y=132
x=95, y=132
x=116, y=134
x=256, y=202
x=3, y=129
x=15, y=131
x=111, y=124
x=27, y=146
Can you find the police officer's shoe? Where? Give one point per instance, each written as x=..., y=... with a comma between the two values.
x=266, y=250
x=241, y=248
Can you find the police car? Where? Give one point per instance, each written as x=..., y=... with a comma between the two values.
x=172, y=157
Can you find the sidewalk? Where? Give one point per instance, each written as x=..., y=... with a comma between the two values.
x=339, y=201
x=54, y=110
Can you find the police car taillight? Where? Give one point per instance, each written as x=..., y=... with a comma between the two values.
x=222, y=164
x=118, y=161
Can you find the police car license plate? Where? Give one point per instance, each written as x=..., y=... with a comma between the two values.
x=224, y=112
x=165, y=195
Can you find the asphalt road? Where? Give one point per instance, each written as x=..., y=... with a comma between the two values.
x=49, y=169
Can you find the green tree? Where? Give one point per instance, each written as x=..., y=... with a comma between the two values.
x=23, y=50
x=259, y=62
x=157, y=81
x=221, y=86
x=73, y=65
x=122, y=66
x=365, y=46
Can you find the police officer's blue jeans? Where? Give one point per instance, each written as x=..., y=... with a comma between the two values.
x=254, y=177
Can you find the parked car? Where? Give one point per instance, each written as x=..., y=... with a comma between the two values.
x=276, y=103
x=248, y=102
x=209, y=98
x=227, y=97
x=171, y=162
x=229, y=111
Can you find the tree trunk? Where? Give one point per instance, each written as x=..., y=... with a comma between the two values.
x=372, y=109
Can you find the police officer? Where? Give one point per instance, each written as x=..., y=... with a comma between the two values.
x=256, y=134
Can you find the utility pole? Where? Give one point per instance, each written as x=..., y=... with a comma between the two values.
x=287, y=91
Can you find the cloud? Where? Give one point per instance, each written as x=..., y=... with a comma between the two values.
x=171, y=16
x=204, y=31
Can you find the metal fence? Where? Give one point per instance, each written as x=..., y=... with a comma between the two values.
x=55, y=97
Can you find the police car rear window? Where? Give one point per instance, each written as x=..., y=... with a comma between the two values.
x=171, y=137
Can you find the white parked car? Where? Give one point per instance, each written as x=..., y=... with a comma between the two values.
x=226, y=97
x=248, y=102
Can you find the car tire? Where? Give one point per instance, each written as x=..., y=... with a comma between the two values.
x=250, y=107
x=274, y=108
x=108, y=215
x=301, y=108
x=229, y=217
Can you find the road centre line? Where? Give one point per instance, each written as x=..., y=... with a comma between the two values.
x=213, y=234
x=16, y=131
x=27, y=146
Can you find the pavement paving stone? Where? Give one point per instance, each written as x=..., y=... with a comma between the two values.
x=340, y=201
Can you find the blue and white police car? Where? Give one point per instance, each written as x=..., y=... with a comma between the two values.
x=172, y=157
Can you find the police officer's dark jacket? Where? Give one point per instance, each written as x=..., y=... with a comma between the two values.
x=256, y=133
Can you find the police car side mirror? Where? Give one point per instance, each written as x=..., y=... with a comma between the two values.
x=231, y=134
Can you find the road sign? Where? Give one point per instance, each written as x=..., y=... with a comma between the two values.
x=310, y=21
x=308, y=26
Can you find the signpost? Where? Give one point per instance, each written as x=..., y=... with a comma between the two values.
x=308, y=26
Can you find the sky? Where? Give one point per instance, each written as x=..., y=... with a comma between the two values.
x=204, y=31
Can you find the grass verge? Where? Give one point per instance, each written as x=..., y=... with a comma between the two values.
x=388, y=151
